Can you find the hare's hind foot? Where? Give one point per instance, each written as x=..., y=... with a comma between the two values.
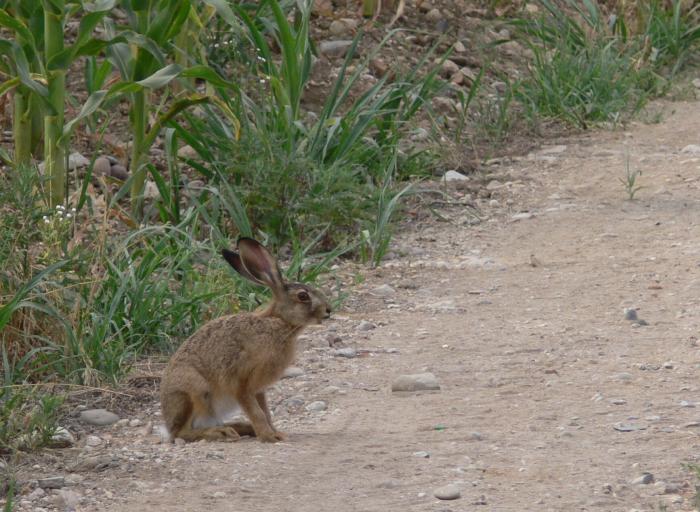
x=245, y=428
x=222, y=433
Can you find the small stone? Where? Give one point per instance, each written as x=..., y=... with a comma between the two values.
x=52, y=482
x=36, y=494
x=623, y=377
x=378, y=67
x=522, y=216
x=449, y=68
x=99, y=417
x=421, y=455
x=67, y=500
x=93, y=441
x=476, y=436
x=631, y=314
x=348, y=353
x=552, y=150
x=122, y=422
x=459, y=47
x=454, y=176
x=696, y=83
x=101, y=167
x=180, y=441
x=219, y=494
x=669, y=365
x=416, y=382
x=693, y=149
x=76, y=161
x=119, y=172
x=292, y=372
x=317, y=406
x=334, y=49
x=135, y=422
x=686, y=404
x=644, y=479
x=447, y=492
x=434, y=15
x=342, y=27
x=383, y=291
x=186, y=151
x=629, y=427
x=62, y=438
x=364, y=325
x=322, y=8
x=618, y=401
x=150, y=191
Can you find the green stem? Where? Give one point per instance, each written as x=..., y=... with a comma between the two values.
x=368, y=7
x=138, y=169
x=22, y=128
x=54, y=153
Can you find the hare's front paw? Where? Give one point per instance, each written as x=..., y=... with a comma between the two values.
x=280, y=436
x=222, y=434
x=270, y=437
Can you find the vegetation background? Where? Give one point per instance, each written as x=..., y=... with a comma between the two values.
x=143, y=136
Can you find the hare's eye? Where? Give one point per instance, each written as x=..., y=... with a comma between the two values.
x=303, y=296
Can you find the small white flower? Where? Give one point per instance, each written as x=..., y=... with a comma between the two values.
x=216, y=45
x=58, y=206
x=45, y=217
x=46, y=221
x=261, y=59
x=73, y=210
x=69, y=215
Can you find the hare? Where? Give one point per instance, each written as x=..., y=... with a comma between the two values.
x=230, y=361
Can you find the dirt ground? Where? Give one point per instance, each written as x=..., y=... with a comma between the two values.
x=550, y=399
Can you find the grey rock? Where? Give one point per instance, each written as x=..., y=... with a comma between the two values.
x=135, y=422
x=101, y=167
x=644, y=479
x=348, y=353
x=383, y=291
x=364, y=325
x=459, y=47
x=342, y=27
x=94, y=463
x=99, y=417
x=76, y=161
x=93, y=441
x=447, y=492
x=334, y=49
x=67, y=500
x=669, y=365
x=219, y=494
x=693, y=149
x=629, y=427
x=421, y=455
x=36, y=494
x=180, y=441
x=686, y=404
x=522, y=216
x=317, y=406
x=476, y=436
x=631, y=314
x=696, y=83
x=454, y=176
x=640, y=323
x=416, y=382
x=449, y=68
x=119, y=172
x=62, y=438
x=186, y=151
x=52, y=482
x=292, y=372
x=618, y=401
x=434, y=15
x=379, y=67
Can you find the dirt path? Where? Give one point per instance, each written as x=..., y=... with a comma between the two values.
x=522, y=323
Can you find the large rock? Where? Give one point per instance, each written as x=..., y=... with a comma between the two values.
x=98, y=417
x=416, y=382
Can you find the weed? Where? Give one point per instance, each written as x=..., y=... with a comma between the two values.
x=629, y=181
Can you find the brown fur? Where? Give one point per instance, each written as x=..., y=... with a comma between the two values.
x=234, y=358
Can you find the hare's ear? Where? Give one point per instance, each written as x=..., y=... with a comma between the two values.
x=259, y=263
x=234, y=259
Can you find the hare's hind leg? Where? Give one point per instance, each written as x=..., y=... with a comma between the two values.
x=188, y=417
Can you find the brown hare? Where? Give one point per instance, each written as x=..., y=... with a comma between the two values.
x=230, y=361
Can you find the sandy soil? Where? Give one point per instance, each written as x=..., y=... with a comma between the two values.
x=521, y=319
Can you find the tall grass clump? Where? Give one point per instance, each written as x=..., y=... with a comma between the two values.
x=586, y=68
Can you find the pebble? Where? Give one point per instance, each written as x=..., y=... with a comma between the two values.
x=693, y=149
x=364, y=325
x=348, y=353
x=422, y=455
x=454, y=176
x=696, y=83
x=135, y=422
x=415, y=382
x=383, y=291
x=62, y=438
x=219, y=494
x=644, y=479
x=434, y=15
x=522, y=216
x=447, y=492
x=334, y=48
x=180, y=441
x=378, y=67
x=686, y=404
x=292, y=372
x=99, y=417
x=67, y=500
x=186, y=151
x=629, y=427
x=122, y=422
x=618, y=401
x=459, y=47
x=449, y=68
x=631, y=314
x=119, y=172
x=317, y=406
x=101, y=167
x=342, y=27
x=36, y=494
x=93, y=441
x=52, y=482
